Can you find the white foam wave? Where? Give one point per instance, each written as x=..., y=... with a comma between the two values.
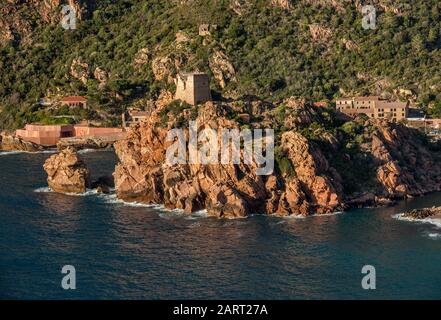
x=400, y=216
x=89, y=192
x=198, y=215
x=299, y=216
x=112, y=199
x=8, y=153
x=91, y=150
x=336, y=213
x=43, y=190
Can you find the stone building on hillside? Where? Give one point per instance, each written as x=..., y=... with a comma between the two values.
x=134, y=116
x=193, y=88
x=373, y=107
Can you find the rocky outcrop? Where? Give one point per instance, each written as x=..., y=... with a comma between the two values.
x=102, y=76
x=405, y=166
x=91, y=142
x=80, y=70
x=305, y=180
x=240, y=7
x=350, y=45
x=320, y=33
x=228, y=190
x=320, y=182
x=222, y=68
x=419, y=214
x=163, y=68
x=18, y=18
x=284, y=4
x=141, y=59
x=67, y=173
x=10, y=142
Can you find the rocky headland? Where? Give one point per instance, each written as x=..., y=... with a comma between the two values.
x=325, y=162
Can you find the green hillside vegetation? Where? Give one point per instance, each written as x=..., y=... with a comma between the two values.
x=270, y=48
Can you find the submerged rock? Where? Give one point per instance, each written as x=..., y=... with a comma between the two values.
x=67, y=173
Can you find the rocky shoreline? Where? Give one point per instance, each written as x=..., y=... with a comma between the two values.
x=91, y=142
x=316, y=173
x=10, y=142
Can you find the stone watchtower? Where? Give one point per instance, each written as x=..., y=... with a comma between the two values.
x=193, y=88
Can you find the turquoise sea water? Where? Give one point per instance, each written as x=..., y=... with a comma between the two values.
x=135, y=252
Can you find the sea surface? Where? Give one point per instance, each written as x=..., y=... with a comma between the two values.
x=122, y=251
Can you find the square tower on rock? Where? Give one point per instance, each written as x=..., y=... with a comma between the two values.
x=193, y=88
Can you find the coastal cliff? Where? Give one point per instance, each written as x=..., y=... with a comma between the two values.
x=324, y=162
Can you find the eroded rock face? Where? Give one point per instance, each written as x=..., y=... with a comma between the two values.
x=102, y=76
x=80, y=70
x=67, y=173
x=320, y=33
x=305, y=180
x=228, y=190
x=142, y=58
x=9, y=142
x=163, y=68
x=405, y=165
x=284, y=4
x=222, y=68
x=17, y=18
x=322, y=184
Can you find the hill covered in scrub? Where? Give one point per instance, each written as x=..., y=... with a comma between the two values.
x=126, y=52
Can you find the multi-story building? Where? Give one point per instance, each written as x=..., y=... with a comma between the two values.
x=373, y=107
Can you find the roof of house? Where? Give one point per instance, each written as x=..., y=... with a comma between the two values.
x=320, y=104
x=392, y=104
x=368, y=98
x=74, y=99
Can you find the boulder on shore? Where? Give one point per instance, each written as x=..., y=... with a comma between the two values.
x=10, y=142
x=67, y=173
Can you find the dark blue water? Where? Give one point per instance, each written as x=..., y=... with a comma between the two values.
x=126, y=252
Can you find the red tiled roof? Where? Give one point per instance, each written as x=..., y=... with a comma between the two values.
x=320, y=104
x=74, y=99
x=361, y=98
